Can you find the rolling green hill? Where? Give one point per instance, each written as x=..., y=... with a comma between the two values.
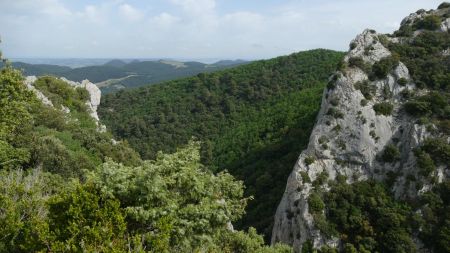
x=117, y=74
x=253, y=120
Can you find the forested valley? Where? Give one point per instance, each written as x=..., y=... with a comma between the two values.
x=252, y=121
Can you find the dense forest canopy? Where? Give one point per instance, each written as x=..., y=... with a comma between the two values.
x=252, y=120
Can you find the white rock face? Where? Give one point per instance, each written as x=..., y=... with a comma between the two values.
x=93, y=102
x=445, y=26
x=353, y=142
x=94, y=93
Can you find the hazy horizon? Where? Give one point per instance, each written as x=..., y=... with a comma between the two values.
x=83, y=62
x=188, y=29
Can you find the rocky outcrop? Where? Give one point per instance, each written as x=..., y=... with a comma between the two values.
x=349, y=137
x=445, y=26
x=92, y=103
x=29, y=81
x=94, y=93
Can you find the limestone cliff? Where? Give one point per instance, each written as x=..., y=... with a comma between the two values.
x=350, y=135
x=92, y=103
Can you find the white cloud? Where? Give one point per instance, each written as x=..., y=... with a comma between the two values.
x=54, y=8
x=165, y=19
x=92, y=14
x=191, y=28
x=196, y=7
x=130, y=13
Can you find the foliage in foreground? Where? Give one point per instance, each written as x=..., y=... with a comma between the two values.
x=171, y=204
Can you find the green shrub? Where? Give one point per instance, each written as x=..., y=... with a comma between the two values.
x=367, y=218
x=383, y=108
x=331, y=85
x=402, y=81
x=336, y=113
x=83, y=219
x=386, y=92
x=364, y=102
x=341, y=66
x=309, y=160
x=321, y=223
x=349, y=248
x=438, y=148
x=315, y=203
x=430, y=22
x=323, y=139
x=390, y=153
x=321, y=179
x=384, y=40
x=353, y=45
x=337, y=128
x=424, y=162
x=357, y=62
x=404, y=31
x=417, y=108
x=381, y=68
x=305, y=177
x=366, y=89
x=406, y=94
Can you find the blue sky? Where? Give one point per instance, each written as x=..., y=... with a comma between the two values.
x=191, y=29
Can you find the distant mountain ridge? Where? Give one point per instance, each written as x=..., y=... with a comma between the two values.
x=119, y=74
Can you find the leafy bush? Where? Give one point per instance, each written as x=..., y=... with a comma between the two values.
x=438, y=148
x=321, y=179
x=430, y=22
x=315, y=203
x=435, y=224
x=424, y=162
x=23, y=208
x=383, y=108
x=83, y=219
x=358, y=62
x=422, y=55
x=323, y=139
x=390, y=153
x=246, y=242
x=402, y=81
x=364, y=102
x=366, y=89
x=404, y=31
x=169, y=189
x=407, y=94
x=368, y=218
x=305, y=177
x=309, y=160
x=381, y=68
x=15, y=119
x=336, y=113
x=417, y=108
